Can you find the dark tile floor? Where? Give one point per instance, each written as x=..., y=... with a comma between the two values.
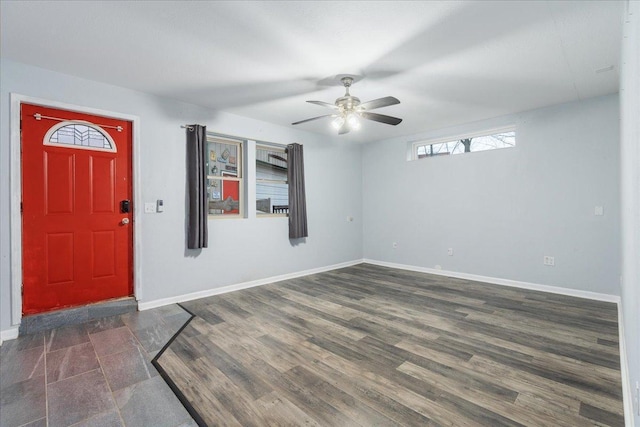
x=92, y=374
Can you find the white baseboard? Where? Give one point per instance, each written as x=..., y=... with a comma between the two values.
x=627, y=395
x=146, y=305
x=142, y=305
x=9, y=334
x=504, y=282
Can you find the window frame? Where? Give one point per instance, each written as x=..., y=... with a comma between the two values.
x=270, y=147
x=457, y=137
x=240, y=143
x=62, y=124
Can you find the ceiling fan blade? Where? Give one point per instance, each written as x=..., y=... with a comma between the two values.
x=344, y=129
x=379, y=103
x=381, y=118
x=323, y=104
x=313, y=118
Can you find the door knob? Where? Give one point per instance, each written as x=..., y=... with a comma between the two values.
x=124, y=221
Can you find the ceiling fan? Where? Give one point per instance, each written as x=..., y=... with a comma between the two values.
x=350, y=110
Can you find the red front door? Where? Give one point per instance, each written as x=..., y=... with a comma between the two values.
x=76, y=241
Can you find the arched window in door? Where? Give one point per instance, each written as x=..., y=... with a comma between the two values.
x=82, y=135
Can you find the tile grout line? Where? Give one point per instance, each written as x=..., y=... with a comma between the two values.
x=161, y=371
x=81, y=373
x=74, y=376
x=101, y=369
x=146, y=368
x=135, y=337
x=46, y=379
x=115, y=402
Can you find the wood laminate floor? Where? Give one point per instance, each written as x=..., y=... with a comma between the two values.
x=374, y=346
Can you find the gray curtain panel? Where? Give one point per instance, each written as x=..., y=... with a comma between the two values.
x=197, y=235
x=297, y=198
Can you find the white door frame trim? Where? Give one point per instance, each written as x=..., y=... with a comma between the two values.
x=16, y=194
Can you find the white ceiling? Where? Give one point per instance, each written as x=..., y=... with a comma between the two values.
x=448, y=62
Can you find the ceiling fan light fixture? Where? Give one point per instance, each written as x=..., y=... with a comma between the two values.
x=337, y=122
x=352, y=121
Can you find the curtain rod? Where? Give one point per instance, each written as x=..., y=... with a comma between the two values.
x=39, y=116
x=222, y=135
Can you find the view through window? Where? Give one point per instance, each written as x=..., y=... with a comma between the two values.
x=272, y=190
x=224, y=177
x=466, y=144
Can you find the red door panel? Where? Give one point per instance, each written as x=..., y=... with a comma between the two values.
x=59, y=258
x=102, y=182
x=58, y=182
x=103, y=252
x=76, y=250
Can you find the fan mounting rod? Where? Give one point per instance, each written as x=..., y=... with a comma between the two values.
x=347, y=82
x=347, y=102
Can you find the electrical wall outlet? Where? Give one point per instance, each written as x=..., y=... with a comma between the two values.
x=150, y=207
x=549, y=260
x=599, y=211
x=450, y=251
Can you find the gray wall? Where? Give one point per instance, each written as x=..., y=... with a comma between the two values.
x=240, y=249
x=630, y=193
x=501, y=211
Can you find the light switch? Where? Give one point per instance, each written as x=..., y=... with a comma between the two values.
x=599, y=211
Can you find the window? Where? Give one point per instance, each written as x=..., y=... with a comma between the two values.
x=272, y=190
x=224, y=177
x=81, y=135
x=490, y=140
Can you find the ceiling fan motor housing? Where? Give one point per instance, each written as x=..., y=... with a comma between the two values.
x=347, y=102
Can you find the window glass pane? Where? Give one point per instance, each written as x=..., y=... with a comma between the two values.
x=223, y=157
x=467, y=145
x=215, y=197
x=272, y=190
x=224, y=170
x=492, y=142
x=272, y=198
x=80, y=135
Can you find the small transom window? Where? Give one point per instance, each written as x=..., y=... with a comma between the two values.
x=81, y=135
x=482, y=141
